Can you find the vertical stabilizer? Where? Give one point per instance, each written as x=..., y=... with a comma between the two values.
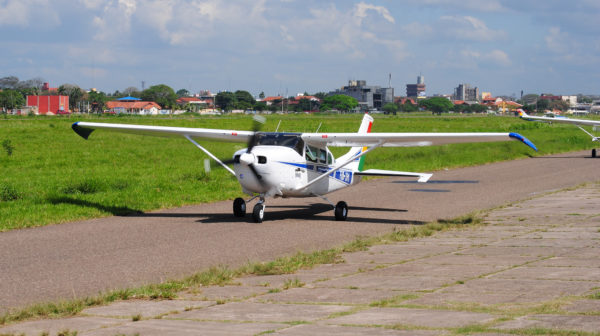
x=365, y=127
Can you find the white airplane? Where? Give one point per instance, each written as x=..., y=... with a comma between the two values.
x=564, y=120
x=277, y=164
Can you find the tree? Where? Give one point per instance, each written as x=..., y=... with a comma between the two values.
x=225, y=100
x=183, y=93
x=390, y=108
x=131, y=91
x=321, y=95
x=437, y=104
x=161, y=94
x=261, y=95
x=408, y=107
x=339, y=102
x=75, y=93
x=559, y=105
x=304, y=104
x=10, y=99
x=244, y=100
x=97, y=101
x=9, y=82
x=542, y=104
x=478, y=108
x=260, y=106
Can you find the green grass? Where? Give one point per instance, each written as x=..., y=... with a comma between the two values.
x=50, y=175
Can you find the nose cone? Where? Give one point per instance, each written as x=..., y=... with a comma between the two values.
x=247, y=159
x=248, y=179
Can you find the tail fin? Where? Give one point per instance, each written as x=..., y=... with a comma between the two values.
x=522, y=113
x=365, y=127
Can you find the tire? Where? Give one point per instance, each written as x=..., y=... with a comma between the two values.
x=341, y=211
x=258, y=214
x=239, y=207
x=594, y=152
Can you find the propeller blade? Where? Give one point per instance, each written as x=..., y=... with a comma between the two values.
x=258, y=122
x=256, y=127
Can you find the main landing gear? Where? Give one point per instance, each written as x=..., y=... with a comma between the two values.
x=594, y=152
x=258, y=212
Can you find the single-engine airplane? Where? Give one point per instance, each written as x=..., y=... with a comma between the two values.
x=278, y=164
x=564, y=120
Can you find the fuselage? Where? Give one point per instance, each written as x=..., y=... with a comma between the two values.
x=285, y=164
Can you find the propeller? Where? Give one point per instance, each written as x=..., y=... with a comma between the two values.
x=248, y=158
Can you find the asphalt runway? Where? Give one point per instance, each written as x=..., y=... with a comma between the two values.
x=84, y=258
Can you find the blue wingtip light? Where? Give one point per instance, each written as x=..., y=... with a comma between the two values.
x=522, y=139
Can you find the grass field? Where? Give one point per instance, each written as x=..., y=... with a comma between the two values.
x=49, y=175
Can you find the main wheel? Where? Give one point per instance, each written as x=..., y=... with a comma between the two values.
x=258, y=214
x=594, y=152
x=239, y=207
x=341, y=211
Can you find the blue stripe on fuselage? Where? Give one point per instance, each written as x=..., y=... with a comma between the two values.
x=342, y=175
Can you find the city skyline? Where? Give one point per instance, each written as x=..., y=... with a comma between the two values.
x=287, y=47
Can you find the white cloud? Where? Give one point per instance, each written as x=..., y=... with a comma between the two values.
x=115, y=21
x=476, y=5
x=498, y=57
x=558, y=42
x=28, y=12
x=360, y=11
x=468, y=28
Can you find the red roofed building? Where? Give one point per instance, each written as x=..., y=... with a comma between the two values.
x=49, y=104
x=270, y=100
x=133, y=107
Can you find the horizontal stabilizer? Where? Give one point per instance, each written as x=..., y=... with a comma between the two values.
x=423, y=177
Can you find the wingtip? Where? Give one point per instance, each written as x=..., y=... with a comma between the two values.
x=523, y=140
x=81, y=131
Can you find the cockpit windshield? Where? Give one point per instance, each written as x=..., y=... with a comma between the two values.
x=291, y=140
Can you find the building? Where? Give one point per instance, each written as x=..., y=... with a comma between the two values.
x=416, y=90
x=571, y=100
x=595, y=108
x=132, y=105
x=369, y=97
x=467, y=93
x=50, y=105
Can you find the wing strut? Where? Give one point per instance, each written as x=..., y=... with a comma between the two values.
x=209, y=154
x=594, y=138
x=324, y=175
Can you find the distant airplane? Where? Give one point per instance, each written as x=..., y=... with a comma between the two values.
x=277, y=164
x=565, y=120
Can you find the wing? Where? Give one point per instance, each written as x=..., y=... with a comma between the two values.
x=84, y=129
x=562, y=120
x=406, y=139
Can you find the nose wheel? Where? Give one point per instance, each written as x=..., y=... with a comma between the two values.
x=258, y=213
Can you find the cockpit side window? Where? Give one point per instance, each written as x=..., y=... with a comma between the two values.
x=311, y=153
x=322, y=156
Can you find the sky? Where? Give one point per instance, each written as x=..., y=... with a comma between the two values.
x=293, y=46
